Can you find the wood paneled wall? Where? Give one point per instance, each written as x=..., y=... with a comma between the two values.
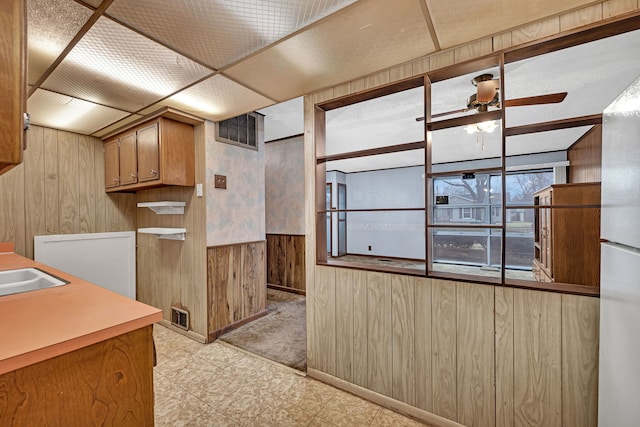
x=59, y=189
x=479, y=355
x=285, y=261
x=171, y=272
x=585, y=157
x=236, y=285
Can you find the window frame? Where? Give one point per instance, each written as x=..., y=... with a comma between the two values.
x=499, y=59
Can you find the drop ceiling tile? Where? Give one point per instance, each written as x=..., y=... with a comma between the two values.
x=216, y=98
x=51, y=25
x=218, y=32
x=115, y=66
x=462, y=21
x=71, y=114
x=367, y=37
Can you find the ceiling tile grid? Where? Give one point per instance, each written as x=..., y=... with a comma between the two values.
x=369, y=36
x=94, y=3
x=220, y=32
x=51, y=25
x=115, y=66
x=216, y=98
x=71, y=114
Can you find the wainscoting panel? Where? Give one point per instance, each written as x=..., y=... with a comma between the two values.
x=285, y=261
x=236, y=285
x=475, y=354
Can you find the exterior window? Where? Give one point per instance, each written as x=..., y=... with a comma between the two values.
x=465, y=213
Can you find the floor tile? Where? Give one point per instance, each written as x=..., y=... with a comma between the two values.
x=309, y=394
x=217, y=385
x=345, y=409
x=387, y=418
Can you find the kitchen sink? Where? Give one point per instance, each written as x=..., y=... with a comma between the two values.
x=26, y=279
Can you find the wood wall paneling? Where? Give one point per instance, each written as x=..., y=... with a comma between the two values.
x=585, y=157
x=504, y=356
x=581, y=17
x=580, y=337
x=285, y=261
x=475, y=354
x=56, y=190
x=403, y=387
x=422, y=346
x=379, y=341
x=325, y=320
x=443, y=339
x=360, y=328
x=537, y=358
x=236, y=285
x=345, y=338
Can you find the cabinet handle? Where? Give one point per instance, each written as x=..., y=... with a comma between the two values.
x=116, y=179
x=154, y=172
x=133, y=175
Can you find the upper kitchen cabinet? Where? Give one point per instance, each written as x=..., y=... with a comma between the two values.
x=13, y=56
x=158, y=151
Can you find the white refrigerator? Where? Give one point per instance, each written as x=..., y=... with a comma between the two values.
x=619, y=368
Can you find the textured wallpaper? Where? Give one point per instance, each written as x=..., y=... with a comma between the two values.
x=284, y=190
x=237, y=214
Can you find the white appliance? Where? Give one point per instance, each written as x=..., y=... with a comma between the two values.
x=619, y=369
x=104, y=259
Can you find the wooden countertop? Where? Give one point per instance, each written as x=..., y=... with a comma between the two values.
x=39, y=325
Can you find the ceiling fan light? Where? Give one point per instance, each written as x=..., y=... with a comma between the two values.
x=488, y=126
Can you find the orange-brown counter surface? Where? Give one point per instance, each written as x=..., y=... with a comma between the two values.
x=39, y=325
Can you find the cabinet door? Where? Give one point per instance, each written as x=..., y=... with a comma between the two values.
x=148, y=153
x=111, y=165
x=12, y=82
x=128, y=160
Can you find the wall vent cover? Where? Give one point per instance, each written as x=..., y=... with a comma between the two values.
x=241, y=130
x=180, y=318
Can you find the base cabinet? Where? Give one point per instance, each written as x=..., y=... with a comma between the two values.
x=567, y=239
x=155, y=153
x=106, y=384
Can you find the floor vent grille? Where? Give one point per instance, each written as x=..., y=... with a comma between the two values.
x=180, y=318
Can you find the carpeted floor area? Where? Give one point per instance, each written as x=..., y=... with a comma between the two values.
x=281, y=335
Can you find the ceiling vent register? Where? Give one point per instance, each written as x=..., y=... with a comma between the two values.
x=241, y=130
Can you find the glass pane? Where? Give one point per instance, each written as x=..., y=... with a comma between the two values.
x=242, y=129
x=389, y=238
x=470, y=199
x=465, y=251
x=521, y=186
x=380, y=161
x=541, y=147
x=380, y=189
x=519, y=245
x=476, y=146
x=379, y=122
x=592, y=74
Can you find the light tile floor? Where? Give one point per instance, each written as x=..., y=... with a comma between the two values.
x=219, y=385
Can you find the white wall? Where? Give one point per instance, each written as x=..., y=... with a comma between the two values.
x=393, y=234
x=335, y=178
x=284, y=186
x=237, y=214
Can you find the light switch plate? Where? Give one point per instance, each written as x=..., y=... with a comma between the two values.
x=220, y=181
x=198, y=190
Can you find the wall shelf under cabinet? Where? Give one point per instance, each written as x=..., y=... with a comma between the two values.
x=165, y=233
x=164, y=208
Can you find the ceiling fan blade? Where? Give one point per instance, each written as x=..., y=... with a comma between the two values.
x=551, y=98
